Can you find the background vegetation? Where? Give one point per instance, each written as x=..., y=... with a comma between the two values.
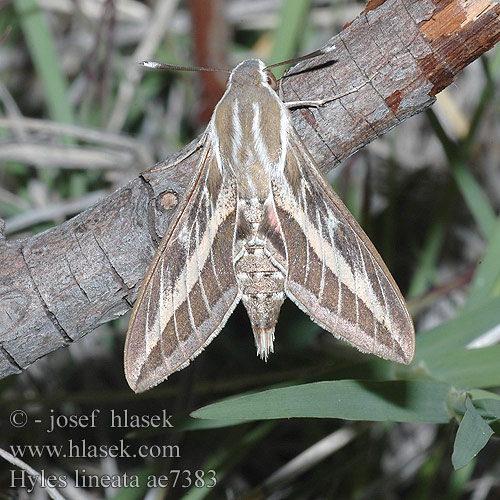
x=427, y=193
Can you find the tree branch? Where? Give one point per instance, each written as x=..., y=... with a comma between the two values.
x=61, y=284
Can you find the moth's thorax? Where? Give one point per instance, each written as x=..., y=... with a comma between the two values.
x=249, y=124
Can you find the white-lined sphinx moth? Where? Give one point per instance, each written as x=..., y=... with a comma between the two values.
x=260, y=222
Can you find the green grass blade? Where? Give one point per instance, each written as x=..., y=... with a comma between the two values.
x=458, y=482
x=475, y=198
x=187, y=423
x=478, y=394
x=471, y=191
x=467, y=368
x=486, y=282
x=293, y=14
x=472, y=436
x=424, y=275
x=45, y=59
x=400, y=401
x=457, y=332
x=490, y=407
x=224, y=460
x=135, y=491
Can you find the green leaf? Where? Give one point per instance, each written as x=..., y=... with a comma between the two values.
x=187, y=423
x=45, y=59
x=182, y=422
x=457, y=332
x=472, y=435
x=400, y=401
x=487, y=277
x=477, y=394
x=229, y=454
x=425, y=272
x=293, y=15
x=490, y=408
x=475, y=198
x=459, y=480
x=467, y=368
x=135, y=492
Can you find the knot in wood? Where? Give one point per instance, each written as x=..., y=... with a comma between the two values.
x=169, y=200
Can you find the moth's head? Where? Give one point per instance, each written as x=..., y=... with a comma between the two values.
x=252, y=72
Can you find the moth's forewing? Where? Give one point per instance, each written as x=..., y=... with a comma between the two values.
x=335, y=274
x=190, y=288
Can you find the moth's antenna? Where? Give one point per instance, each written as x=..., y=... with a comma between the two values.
x=157, y=65
x=316, y=53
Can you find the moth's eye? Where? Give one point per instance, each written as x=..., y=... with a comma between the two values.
x=271, y=80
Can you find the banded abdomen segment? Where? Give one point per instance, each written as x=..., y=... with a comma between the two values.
x=258, y=273
x=262, y=290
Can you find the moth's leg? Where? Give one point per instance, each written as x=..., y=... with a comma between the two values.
x=191, y=150
x=322, y=102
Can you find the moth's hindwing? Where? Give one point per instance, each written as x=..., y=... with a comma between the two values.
x=190, y=288
x=335, y=274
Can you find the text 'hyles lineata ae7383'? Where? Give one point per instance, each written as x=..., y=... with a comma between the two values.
x=259, y=223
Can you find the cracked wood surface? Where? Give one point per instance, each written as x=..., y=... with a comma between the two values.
x=61, y=284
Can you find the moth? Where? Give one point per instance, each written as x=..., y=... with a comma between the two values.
x=258, y=223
